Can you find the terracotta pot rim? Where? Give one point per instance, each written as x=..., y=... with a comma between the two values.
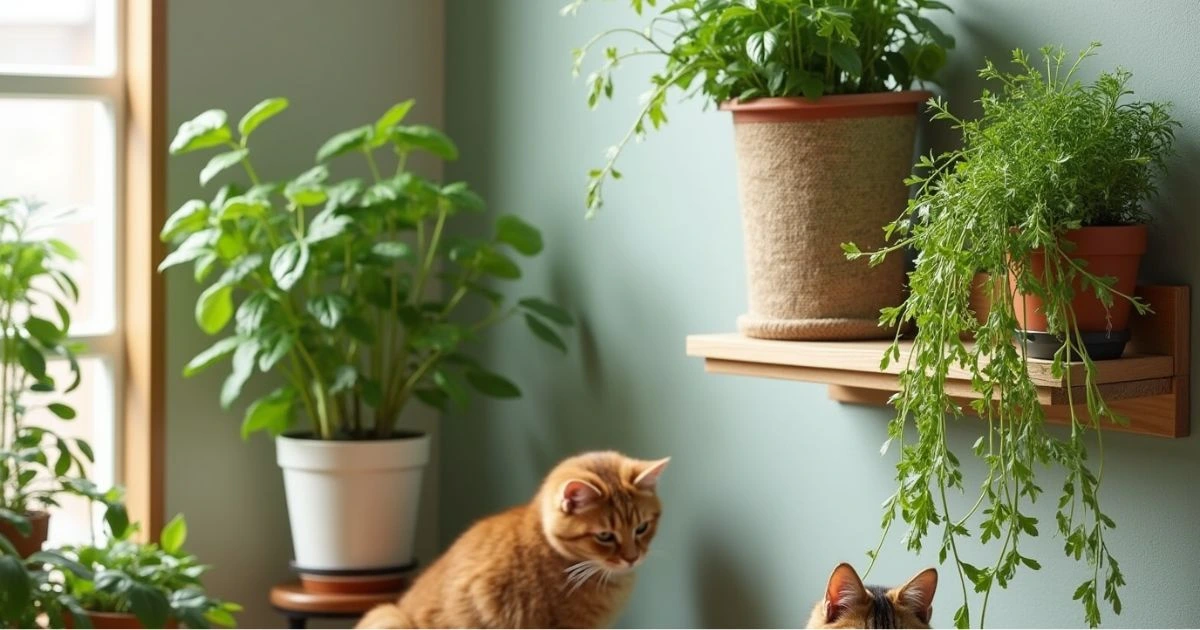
x=794, y=108
x=1108, y=240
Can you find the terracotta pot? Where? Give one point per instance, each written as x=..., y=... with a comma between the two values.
x=31, y=544
x=811, y=176
x=1114, y=251
x=980, y=299
x=102, y=620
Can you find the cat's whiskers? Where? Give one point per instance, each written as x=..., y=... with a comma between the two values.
x=578, y=574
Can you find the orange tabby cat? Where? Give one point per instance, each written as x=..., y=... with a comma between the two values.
x=849, y=604
x=564, y=560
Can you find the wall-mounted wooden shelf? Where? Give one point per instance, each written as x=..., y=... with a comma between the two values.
x=1149, y=384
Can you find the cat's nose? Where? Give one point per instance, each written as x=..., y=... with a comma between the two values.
x=630, y=560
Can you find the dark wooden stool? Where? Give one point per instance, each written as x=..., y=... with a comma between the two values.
x=300, y=605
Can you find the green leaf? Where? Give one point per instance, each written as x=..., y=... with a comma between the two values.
x=522, y=236
x=962, y=617
x=44, y=331
x=190, y=217
x=211, y=355
x=492, y=384
x=148, y=604
x=62, y=411
x=544, y=332
x=307, y=189
x=288, y=264
x=220, y=162
x=31, y=359
x=360, y=329
x=547, y=310
x=243, y=206
x=214, y=308
x=243, y=368
x=259, y=114
x=117, y=518
x=252, y=312
x=435, y=398
x=271, y=413
x=194, y=246
x=424, y=138
x=328, y=309
x=394, y=250
x=497, y=264
x=462, y=197
x=275, y=347
x=204, y=131
x=344, y=379
x=388, y=122
x=846, y=57
x=326, y=225
x=16, y=587
x=344, y=142
x=174, y=534
x=451, y=386
x=441, y=337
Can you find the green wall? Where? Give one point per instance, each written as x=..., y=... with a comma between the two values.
x=771, y=482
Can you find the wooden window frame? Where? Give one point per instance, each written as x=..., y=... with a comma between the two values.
x=143, y=309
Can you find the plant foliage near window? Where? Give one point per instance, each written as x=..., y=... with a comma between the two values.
x=1049, y=153
x=37, y=465
x=743, y=49
x=153, y=582
x=332, y=283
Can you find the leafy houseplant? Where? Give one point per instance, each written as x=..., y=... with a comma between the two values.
x=824, y=127
x=120, y=584
x=158, y=584
x=36, y=464
x=351, y=292
x=1049, y=157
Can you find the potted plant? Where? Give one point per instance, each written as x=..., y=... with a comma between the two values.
x=352, y=293
x=36, y=464
x=120, y=584
x=824, y=128
x=1049, y=156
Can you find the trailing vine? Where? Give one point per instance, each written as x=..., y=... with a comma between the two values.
x=1048, y=154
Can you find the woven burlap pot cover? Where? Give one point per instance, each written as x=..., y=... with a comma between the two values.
x=811, y=176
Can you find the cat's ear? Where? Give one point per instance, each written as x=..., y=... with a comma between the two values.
x=844, y=590
x=577, y=495
x=917, y=593
x=648, y=478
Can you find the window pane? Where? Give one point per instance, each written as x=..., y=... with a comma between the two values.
x=57, y=36
x=93, y=404
x=60, y=152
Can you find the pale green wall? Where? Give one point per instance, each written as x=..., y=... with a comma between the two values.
x=341, y=64
x=771, y=483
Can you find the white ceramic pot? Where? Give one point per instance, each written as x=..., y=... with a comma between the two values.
x=352, y=505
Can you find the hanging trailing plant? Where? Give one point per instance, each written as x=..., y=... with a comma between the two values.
x=1049, y=154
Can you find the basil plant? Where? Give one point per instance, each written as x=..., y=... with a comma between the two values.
x=353, y=291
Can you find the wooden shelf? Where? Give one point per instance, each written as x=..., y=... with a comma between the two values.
x=1149, y=384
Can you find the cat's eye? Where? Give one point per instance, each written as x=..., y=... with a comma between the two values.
x=605, y=537
x=641, y=529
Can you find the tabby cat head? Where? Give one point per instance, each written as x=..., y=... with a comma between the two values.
x=849, y=604
x=600, y=509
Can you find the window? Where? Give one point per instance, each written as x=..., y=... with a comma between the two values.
x=62, y=116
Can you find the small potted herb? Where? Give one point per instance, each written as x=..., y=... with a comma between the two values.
x=351, y=292
x=126, y=584
x=824, y=127
x=37, y=465
x=1052, y=166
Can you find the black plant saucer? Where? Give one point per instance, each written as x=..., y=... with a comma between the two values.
x=1100, y=346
